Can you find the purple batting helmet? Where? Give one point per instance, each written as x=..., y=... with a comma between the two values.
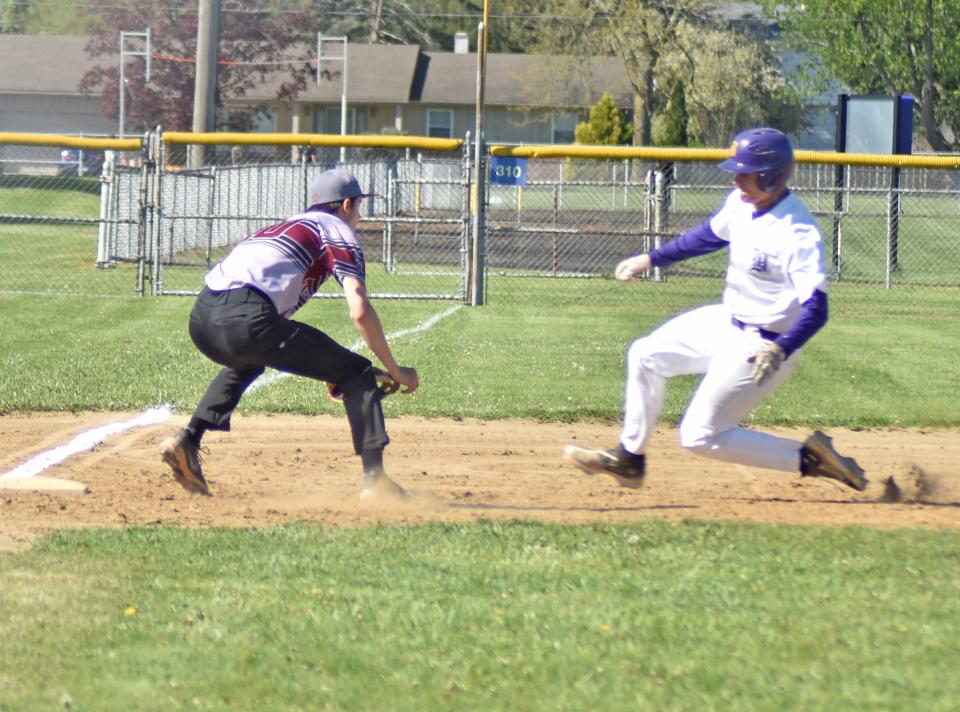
x=766, y=152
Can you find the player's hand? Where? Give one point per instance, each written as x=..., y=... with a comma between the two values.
x=406, y=377
x=766, y=362
x=632, y=268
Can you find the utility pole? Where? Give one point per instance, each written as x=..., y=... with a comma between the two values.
x=124, y=53
x=205, y=85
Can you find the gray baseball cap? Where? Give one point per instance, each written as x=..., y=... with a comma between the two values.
x=333, y=186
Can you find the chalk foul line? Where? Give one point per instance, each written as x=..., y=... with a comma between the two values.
x=424, y=325
x=152, y=416
x=82, y=442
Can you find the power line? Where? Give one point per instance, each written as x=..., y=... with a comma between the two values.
x=280, y=11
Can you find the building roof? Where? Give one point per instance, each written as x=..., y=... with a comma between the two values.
x=43, y=64
x=376, y=74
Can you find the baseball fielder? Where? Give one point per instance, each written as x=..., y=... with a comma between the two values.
x=775, y=299
x=241, y=320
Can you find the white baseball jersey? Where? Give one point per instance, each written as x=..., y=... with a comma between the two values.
x=776, y=260
x=289, y=261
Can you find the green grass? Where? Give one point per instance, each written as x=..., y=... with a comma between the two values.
x=48, y=196
x=484, y=616
x=559, y=361
x=516, y=616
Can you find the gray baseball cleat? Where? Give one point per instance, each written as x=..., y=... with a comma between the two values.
x=629, y=470
x=821, y=460
x=184, y=459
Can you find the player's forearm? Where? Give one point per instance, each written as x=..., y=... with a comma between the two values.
x=811, y=320
x=698, y=241
x=371, y=331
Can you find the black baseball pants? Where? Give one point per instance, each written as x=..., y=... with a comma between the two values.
x=241, y=330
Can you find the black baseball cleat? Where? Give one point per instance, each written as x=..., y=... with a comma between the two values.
x=819, y=459
x=184, y=459
x=626, y=468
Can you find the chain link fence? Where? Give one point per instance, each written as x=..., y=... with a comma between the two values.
x=147, y=224
x=413, y=234
x=57, y=200
x=886, y=230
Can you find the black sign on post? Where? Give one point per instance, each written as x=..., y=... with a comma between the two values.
x=873, y=124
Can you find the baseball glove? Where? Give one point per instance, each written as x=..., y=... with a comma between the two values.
x=385, y=384
x=766, y=362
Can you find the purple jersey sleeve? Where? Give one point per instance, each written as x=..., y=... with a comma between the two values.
x=812, y=318
x=701, y=240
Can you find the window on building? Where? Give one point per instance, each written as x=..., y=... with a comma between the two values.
x=440, y=123
x=327, y=120
x=265, y=121
x=563, y=125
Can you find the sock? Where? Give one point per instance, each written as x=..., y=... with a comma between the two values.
x=806, y=461
x=195, y=430
x=372, y=460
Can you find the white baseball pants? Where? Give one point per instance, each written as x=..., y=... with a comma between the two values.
x=706, y=341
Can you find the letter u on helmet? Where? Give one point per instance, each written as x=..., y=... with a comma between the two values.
x=764, y=151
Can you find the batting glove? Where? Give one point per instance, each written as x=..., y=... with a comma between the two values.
x=632, y=268
x=766, y=362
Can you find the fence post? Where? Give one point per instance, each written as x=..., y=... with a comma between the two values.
x=388, y=227
x=648, y=212
x=466, y=219
x=157, y=159
x=144, y=234
x=660, y=216
x=479, y=250
x=212, y=212
x=626, y=182
x=893, y=225
x=559, y=192
x=838, y=181
x=106, y=188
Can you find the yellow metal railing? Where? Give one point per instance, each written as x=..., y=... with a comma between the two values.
x=718, y=154
x=455, y=144
x=103, y=144
x=311, y=139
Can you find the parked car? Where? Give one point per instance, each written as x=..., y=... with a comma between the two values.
x=79, y=162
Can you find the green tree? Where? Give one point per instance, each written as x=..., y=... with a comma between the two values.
x=659, y=41
x=730, y=81
x=637, y=32
x=675, y=120
x=43, y=17
x=254, y=40
x=606, y=126
x=888, y=47
x=431, y=24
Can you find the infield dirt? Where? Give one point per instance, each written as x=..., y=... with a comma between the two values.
x=278, y=469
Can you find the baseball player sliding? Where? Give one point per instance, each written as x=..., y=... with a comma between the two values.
x=774, y=301
x=241, y=321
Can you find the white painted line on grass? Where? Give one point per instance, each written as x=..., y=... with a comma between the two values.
x=82, y=442
x=92, y=438
x=275, y=376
